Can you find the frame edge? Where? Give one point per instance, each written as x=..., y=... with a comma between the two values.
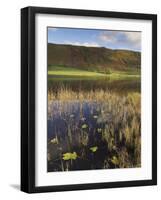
x=27, y=100
x=24, y=100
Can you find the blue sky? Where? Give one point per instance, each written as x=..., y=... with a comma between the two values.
x=96, y=38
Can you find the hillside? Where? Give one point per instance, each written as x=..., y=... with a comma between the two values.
x=98, y=59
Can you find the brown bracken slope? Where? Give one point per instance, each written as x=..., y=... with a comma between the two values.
x=93, y=58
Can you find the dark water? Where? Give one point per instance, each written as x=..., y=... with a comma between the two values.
x=65, y=124
x=120, y=86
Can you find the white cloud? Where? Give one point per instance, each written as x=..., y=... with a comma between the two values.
x=134, y=38
x=122, y=39
x=109, y=36
x=86, y=44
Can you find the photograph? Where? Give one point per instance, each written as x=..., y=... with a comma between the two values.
x=94, y=99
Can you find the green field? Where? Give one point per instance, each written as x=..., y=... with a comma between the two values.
x=61, y=71
x=69, y=71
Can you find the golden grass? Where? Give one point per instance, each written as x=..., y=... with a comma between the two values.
x=66, y=94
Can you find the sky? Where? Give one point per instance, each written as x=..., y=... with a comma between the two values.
x=95, y=38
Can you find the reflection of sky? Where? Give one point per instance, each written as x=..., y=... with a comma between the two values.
x=90, y=37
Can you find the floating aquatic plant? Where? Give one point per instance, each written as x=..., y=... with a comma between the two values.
x=99, y=130
x=70, y=156
x=95, y=116
x=114, y=125
x=84, y=126
x=94, y=149
x=115, y=160
x=54, y=140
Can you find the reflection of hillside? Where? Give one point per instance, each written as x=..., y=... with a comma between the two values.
x=122, y=86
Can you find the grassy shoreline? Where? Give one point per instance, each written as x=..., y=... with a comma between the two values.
x=69, y=72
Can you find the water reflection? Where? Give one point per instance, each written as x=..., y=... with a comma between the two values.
x=121, y=86
x=94, y=133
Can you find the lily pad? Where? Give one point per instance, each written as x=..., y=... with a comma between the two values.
x=115, y=160
x=70, y=156
x=99, y=130
x=54, y=140
x=84, y=126
x=94, y=149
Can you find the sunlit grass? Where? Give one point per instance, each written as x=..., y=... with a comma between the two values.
x=60, y=71
x=68, y=71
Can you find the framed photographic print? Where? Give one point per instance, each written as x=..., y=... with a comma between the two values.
x=88, y=99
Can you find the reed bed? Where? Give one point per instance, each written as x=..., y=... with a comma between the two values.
x=96, y=129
